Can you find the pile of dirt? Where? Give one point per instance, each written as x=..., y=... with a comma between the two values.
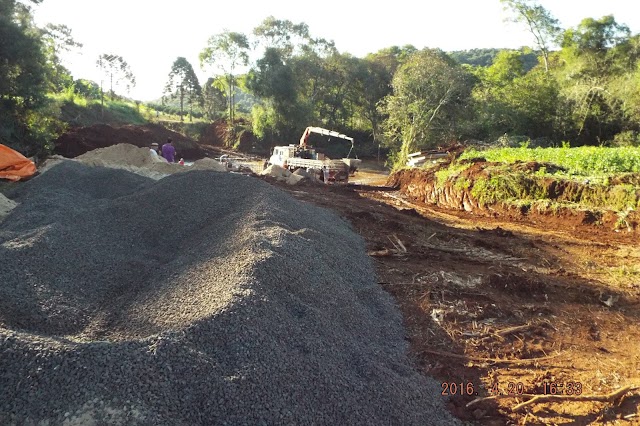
x=487, y=188
x=141, y=161
x=214, y=134
x=120, y=304
x=78, y=141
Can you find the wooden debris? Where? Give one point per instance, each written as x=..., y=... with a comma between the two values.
x=536, y=399
x=399, y=249
x=491, y=360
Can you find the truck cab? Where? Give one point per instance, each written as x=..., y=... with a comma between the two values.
x=281, y=154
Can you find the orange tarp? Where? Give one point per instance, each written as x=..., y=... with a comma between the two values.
x=13, y=165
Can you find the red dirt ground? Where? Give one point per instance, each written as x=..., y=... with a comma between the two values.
x=82, y=139
x=514, y=307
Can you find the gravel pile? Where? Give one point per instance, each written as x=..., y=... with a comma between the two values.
x=6, y=205
x=231, y=303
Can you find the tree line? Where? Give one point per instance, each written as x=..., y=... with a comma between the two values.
x=580, y=85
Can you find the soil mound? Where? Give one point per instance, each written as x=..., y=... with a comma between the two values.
x=214, y=134
x=83, y=139
x=236, y=304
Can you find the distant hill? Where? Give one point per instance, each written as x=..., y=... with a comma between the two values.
x=485, y=57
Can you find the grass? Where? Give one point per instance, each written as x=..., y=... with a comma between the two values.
x=451, y=172
x=582, y=161
x=584, y=176
x=79, y=111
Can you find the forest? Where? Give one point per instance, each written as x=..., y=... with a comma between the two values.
x=577, y=86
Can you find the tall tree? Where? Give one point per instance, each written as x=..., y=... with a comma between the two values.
x=595, y=54
x=58, y=39
x=213, y=98
x=540, y=23
x=370, y=82
x=227, y=50
x=510, y=100
x=273, y=82
x=183, y=84
x=283, y=35
x=116, y=69
x=430, y=96
x=23, y=80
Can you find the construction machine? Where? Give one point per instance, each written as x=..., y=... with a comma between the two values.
x=303, y=156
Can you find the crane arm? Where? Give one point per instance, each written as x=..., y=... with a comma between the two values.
x=321, y=131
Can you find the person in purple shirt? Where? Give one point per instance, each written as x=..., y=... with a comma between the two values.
x=168, y=151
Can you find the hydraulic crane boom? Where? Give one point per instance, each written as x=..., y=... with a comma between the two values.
x=321, y=131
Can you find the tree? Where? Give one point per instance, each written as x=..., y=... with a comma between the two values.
x=370, y=82
x=213, y=98
x=24, y=122
x=183, y=83
x=274, y=83
x=541, y=24
x=228, y=50
x=117, y=70
x=596, y=56
x=87, y=89
x=58, y=39
x=430, y=96
x=283, y=35
x=510, y=100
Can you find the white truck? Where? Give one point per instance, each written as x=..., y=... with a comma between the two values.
x=303, y=156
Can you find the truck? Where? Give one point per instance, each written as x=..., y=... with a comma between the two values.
x=303, y=156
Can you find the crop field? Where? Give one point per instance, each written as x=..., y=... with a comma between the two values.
x=580, y=161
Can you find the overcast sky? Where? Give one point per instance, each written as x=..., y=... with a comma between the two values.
x=151, y=34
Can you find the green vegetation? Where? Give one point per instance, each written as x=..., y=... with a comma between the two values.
x=183, y=85
x=578, y=177
x=486, y=57
x=80, y=111
x=397, y=100
x=451, y=172
x=585, y=161
x=506, y=186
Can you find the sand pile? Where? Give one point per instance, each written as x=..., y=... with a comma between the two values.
x=231, y=304
x=283, y=175
x=277, y=172
x=140, y=161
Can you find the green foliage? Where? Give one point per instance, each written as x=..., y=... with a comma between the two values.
x=581, y=161
x=627, y=138
x=486, y=57
x=27, y=121
x=430, y=96
x=58, y=39
x=87, y=89
x=79, y=111
x=541, y=24
x=282, y=35
x=451, y=172
x=117, y=71
x=506, y=186
x=183, y=85
x=213, y=100
x=510, y=101
x=227, y=50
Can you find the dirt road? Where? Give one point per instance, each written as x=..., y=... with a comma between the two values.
x=508, y=309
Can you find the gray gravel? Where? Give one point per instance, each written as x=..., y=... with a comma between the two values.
x=203, y=298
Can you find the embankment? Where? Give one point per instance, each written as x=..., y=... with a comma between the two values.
x=521, y=190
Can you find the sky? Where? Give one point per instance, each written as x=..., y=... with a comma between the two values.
x=151, y=34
